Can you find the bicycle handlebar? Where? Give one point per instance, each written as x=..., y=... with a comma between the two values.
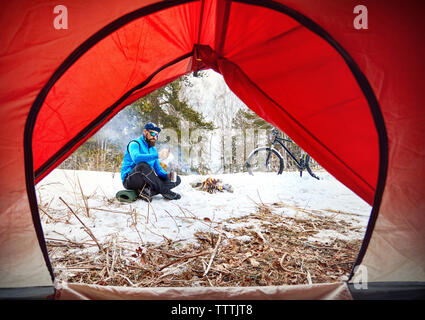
x=276, y=133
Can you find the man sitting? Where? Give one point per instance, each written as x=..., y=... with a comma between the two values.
x=141, y=171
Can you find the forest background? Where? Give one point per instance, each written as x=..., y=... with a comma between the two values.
x=207, y=129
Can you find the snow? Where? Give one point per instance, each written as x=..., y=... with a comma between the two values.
x=139, y=222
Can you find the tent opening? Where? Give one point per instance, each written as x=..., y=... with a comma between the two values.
x=229, y=228
x=289, y=71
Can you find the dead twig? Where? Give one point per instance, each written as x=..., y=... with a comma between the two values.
x=83, y=197
x=135, y=224
x=46, y=213
x=213, y=255
x=108, y=210
x=85, y=227
x=149, y=205
x=178, y=229
x=183, y=259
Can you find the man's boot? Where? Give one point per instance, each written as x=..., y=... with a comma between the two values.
x=170, y=195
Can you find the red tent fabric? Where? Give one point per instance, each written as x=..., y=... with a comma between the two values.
x=350, y=98
x=291, y=57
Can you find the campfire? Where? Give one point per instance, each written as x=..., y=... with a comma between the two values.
x=212, y=185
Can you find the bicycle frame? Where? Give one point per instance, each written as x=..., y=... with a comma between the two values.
x=302, y=164
x=279, y=140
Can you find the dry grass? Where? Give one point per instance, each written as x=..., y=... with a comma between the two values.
x=260, y=249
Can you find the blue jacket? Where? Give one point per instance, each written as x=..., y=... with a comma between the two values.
x=138, y=151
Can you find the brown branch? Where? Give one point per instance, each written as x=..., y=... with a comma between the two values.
x=183, y=259
x=213, y=255
x=85, y=227
x=86, y=205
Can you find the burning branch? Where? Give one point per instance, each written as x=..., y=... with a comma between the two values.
x=212, y=185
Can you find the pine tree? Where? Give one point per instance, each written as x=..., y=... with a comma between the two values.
x=164, y=106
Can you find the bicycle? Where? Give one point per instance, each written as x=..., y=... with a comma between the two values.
x=273, y=159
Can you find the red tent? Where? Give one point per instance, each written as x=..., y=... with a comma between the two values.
x=350, y=96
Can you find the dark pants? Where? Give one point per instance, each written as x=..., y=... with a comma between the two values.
x=143, y=176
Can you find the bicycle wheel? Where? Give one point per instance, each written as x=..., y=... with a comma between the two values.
x=264, y=159
x=307, y=166
x=305, y=158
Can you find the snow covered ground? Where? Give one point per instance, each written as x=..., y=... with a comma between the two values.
x=139, y=222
